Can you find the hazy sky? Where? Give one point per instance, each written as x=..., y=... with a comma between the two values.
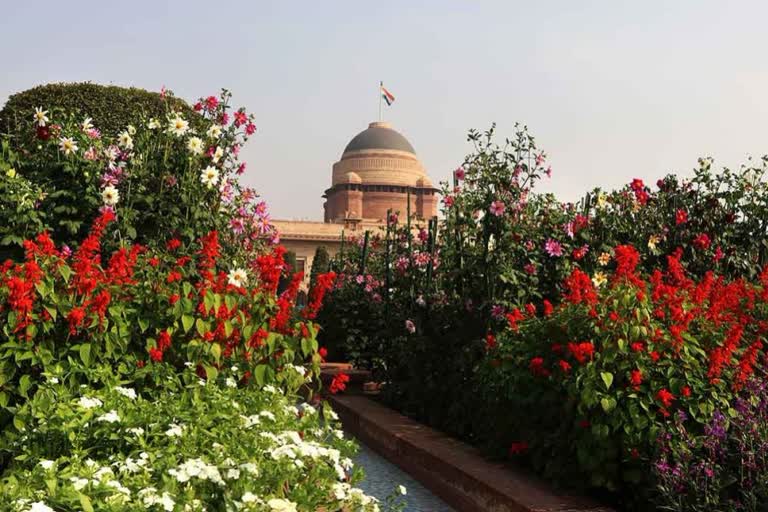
x=612, y=89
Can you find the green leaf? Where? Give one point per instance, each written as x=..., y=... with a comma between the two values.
x=202, y=327
x=608, y=404
x=187, y=322
x=85, y=353
x=260, y=374
x=65, y=272
x=211, y=372
x=216, y=351
x=607, y=379
x=85, y=502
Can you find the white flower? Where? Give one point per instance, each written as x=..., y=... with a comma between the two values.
x=131, y=129
x=233, y=474
x=217, y=155
x=110, y=417
x=214, y=131
x=78, y=483
x=127, y=392
x=268, y=415
x=250, y=467
x=53, y=380
x=41, y=116
x=89, y=403
x=209, y=176
x=402, y=490
x=87, y=124
x=231, y=383
x=238, y=277
x=178, y=126
x=138, y=431
x=124, y=140
x=68, y=145
x=153, y=124
x=110, y=195
x=281, y=505
x=46, y=464
x=249, y=497
x=174, y=430
x=39, y=506
x=195, y=145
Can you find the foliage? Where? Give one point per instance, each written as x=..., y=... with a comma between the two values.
x=320, y=265
x=188, y=445
x=112, y=108
x=163, y=177
x=430, y=317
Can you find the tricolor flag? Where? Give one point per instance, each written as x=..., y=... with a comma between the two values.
x=387, y=96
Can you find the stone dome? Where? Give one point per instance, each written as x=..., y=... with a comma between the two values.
x=379, y=135
x=352, y=177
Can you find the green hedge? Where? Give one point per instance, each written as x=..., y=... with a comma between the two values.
x=110, y=106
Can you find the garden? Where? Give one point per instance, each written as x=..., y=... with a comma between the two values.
x=152, y=354
x=614, y=346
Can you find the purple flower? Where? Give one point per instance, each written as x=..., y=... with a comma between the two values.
x=497, y=311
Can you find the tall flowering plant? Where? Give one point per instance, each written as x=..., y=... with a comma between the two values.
x=166, y=177
x=597, y=378
x=183, y=304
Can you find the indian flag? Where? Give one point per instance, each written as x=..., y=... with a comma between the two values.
x=387, y=96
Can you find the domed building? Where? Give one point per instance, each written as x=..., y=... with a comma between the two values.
x=378, y=171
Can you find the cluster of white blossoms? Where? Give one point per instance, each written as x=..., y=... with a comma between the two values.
x=89, y=403
x=150, y=497
x=209, y=176
x=126, y=392
x=196, y=468
x=110, y=417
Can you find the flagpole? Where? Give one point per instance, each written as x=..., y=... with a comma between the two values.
x=381, y=84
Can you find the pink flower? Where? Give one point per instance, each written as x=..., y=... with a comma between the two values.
x=250, y=128
x=553, y=248
x=530, y=268
x=241, y=168
x=497, y=208
x=224, y=119
x=540, y=159
x=459, y=173
x=240, y=118
x=163, y=92
x=448, y=201
x=360, y=279
x=410, y=326
x=198, y=107
x=211, y=102
x=548, y=172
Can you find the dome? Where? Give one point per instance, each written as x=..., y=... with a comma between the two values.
x=352, y=177
x=379, y=135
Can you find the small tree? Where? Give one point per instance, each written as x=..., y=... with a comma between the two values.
x=320, y=265
x=290, y=269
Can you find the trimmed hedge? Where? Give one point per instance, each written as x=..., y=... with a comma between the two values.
x=111, y=107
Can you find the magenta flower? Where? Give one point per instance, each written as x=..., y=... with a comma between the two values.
x=530, y=268
x=553, y=248
x=459, y=173
x=497, y=208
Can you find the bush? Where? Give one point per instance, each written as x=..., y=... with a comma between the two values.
x=320, y=265
x=184, y=446
x=111, y=108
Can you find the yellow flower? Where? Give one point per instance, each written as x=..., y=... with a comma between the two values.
x=604, y=259
x=602, y=200
x=653, y=241
x=11, y=173
x=599, y=279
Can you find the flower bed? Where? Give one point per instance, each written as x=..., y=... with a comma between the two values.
x=567, y=335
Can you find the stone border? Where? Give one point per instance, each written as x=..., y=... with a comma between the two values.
x=452, y=470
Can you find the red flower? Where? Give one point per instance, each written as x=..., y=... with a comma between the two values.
x=339, y=383
x=530, y=309
x=163, y=340
x=636, y=378
x=75, y=319
x=627, y=259
x=518, y=448
x=548, y=309
x=173, y=299
x=173, y=276
x=240, y=118
x=156, y=354
x=681, y=217
x=685, y=391
x=211, y=102
x=173, y=244
x=198, y=107
x=718, y=254
x=582, y=351
x=614, y=316
x=490, y=341
x=637, y=347
x=513, y=317
x=323, y=352
x=702, y=242
x=585, y=424
x=655, y=356
x=565, y=366
x=537, y=367
x=579, y=288
x=665, y=397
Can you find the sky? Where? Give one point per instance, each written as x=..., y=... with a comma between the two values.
x=611, y=89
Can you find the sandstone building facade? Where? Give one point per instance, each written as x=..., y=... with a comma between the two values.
x=378, y=171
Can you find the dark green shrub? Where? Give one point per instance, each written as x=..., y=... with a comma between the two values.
x=111, y=107
x=320, y=265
